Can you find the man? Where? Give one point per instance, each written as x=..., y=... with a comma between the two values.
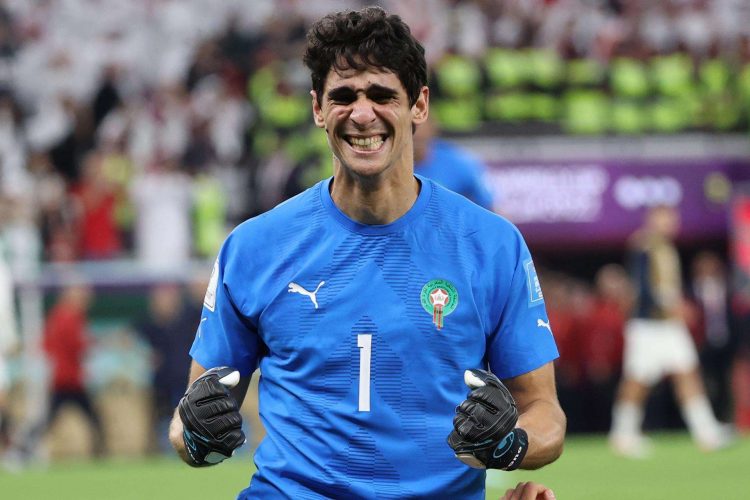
x=166, y=329
x=450, y=166
x=66, y=343
x=658, y=344
x=367, y=301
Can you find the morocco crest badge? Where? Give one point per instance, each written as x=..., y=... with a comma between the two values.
x=439, y=298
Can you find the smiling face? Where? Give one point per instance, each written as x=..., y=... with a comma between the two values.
x=368, y=120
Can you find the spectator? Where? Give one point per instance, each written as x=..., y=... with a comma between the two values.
x=162, y=199
x=107, y=95
x=8, y=343
x=601, y=344
x=55, y=213
x=741, y=365
x=168, y=327
x=13, y=175
x=95, y=198
x=66, y=343
x=569, y=366
x=710, y=292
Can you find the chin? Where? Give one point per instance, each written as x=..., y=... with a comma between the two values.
x=363, y=168
x=368, y=172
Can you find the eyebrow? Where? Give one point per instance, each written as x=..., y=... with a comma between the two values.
x=345, y=92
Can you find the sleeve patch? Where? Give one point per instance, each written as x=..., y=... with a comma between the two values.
x=532, y=282
x=210, y=299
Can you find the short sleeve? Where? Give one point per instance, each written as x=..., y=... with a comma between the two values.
x=522, y=340
x=225, y=336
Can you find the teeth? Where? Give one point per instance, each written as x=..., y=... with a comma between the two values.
x=369, y=143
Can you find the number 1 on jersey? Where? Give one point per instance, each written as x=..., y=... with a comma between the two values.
x=364, y=342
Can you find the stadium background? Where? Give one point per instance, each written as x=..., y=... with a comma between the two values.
x=134, y=135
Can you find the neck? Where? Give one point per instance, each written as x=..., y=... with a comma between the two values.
x=374, y=200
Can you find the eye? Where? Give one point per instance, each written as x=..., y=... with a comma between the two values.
x=381, y=97
x=341, y=96
x=341, y=101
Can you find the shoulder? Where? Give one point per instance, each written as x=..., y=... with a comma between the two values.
x=287, y=217
x=259, y=247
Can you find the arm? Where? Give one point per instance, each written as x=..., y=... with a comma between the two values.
x=540, y=415
x=176, y=427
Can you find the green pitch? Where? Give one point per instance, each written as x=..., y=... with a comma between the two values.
x=587, y=470
x=677, y=469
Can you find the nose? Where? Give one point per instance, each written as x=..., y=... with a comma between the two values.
x=362, y=112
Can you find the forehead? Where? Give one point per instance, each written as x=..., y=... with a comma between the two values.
x=362, y=78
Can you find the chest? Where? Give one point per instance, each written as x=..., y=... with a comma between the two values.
x=385, y=293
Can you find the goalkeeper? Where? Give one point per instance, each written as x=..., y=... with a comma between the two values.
x=399, y=329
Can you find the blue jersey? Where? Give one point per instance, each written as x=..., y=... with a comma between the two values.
x=362, y=334
x=458, y=170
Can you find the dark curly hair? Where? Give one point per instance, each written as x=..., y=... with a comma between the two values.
x=366, y=38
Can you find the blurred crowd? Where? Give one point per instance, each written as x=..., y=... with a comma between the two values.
x=198, y=110
x=147, y=129
x=589, y=321
x=591, y=67
x=113, y=113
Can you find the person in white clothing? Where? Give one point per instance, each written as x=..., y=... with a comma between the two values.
x=163, y=199
x=8, y=340
x=658, y=343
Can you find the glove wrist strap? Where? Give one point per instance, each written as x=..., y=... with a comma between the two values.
x=193, y=451
x=510, y=452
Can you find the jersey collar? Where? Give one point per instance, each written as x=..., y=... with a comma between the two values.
x=420, y=204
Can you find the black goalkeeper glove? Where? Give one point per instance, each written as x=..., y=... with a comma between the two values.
x=484, y=435
x=210, y=417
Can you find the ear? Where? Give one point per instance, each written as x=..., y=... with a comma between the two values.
x=317, y=111
x=421, y=108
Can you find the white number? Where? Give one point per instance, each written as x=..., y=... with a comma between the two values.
x=364, y=342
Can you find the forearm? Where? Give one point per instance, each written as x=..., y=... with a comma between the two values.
x=540, y=415
x=545, y=423
x=175, y=426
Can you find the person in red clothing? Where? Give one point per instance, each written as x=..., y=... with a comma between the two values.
x=562, y=311
x=96, y=199
x=66, y=344
x=602, y=343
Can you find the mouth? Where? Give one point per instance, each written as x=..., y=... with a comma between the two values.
x=366, y=143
